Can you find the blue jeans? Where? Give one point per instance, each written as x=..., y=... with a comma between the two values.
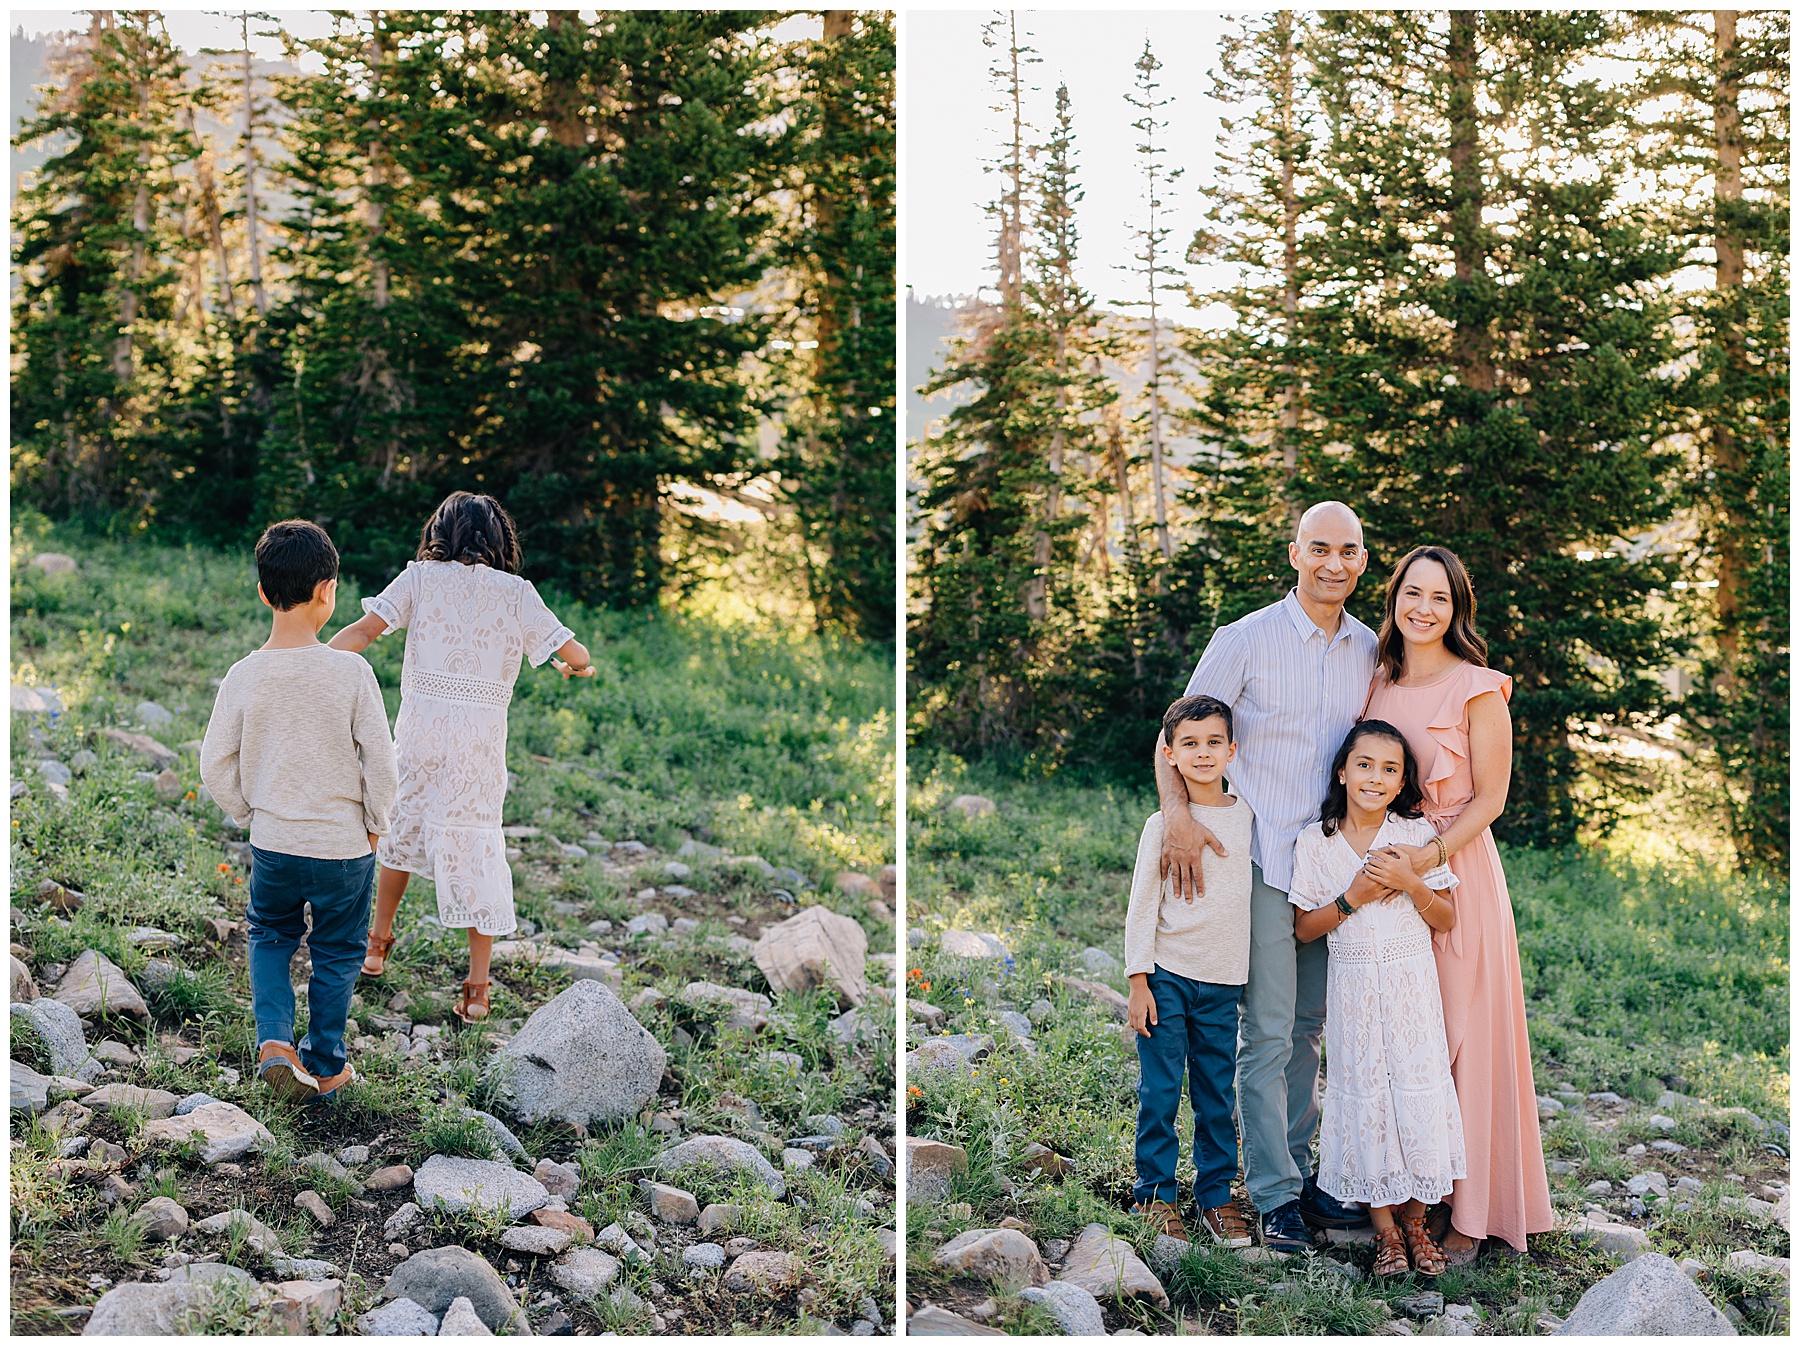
x=339, y=893
x=1196, y=1033
x=1278, y=1071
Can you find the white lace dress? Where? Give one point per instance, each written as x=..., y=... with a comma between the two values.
x=468, y=627
x=1390, y=1128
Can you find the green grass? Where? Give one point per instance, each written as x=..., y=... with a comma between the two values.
x=1639, y=977
x=754, y=739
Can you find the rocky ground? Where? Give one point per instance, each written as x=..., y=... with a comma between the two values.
x=1673, y=1213
x=678, y=1120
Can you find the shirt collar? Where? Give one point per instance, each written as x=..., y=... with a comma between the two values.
x=1307, y=628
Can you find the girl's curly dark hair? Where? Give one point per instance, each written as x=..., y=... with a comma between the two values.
x=475, y=529
x=1408, y=803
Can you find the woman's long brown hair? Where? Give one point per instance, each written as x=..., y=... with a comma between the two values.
x=1462, y=639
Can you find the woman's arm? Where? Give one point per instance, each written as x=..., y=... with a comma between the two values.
x=1490, y=764
x=572, y=660
x=360, y=634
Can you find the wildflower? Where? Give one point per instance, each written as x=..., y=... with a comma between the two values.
x=190, y=795
x=237, y=880
x=224, y=868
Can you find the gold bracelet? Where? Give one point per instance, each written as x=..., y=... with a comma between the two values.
x=1443, y=852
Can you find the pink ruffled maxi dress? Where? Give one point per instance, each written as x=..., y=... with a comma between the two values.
x=1506, y=1194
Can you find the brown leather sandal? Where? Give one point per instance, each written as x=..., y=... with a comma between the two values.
x=380, y=946
x=1390, y=1252
x=472, y=1006
x=1427, y=1258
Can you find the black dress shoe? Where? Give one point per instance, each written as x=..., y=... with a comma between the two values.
x=1322, y=1210
x=1283, y=1230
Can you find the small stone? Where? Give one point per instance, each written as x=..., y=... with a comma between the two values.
x=796, y=1161
x=1661, y=1122
x=314, y=1205
x=704, y=1257
x=995, y=1256
x=1599, y=1188
x=1107, y=1267
x=1651, y=1296
x=717, y=1218
x=973, y=806
x=353, y=1156
x=459, y=1184
x=162, y=1219
x=585, y=1272
x=258, y=1237
x=401, y=1222
x=930, y=1165
x=461, y=1320
x=389, y=1179
x=669, y=1204
x=572, y=1225
x=224, y=1132
x=559, y=1179
x=537, y=1240
x=1648, y=1183
x=155, y=1104
x=402, y=1318
x=1668, y=1146
x=763, y=1272
x=1560, y=1168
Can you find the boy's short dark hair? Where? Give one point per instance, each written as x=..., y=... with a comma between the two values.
x=293, y=558
x=1196, y=708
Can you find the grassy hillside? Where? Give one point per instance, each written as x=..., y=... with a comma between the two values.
x=748, y=741
x=1640, y=978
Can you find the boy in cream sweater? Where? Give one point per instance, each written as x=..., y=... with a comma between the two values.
x=1188, y=958
x=298, y=751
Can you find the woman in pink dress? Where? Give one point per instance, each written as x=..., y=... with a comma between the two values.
x=1434, y=685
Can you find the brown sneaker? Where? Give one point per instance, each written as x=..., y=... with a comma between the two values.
x=332, y=1083
x=278, y=1066
x=1227, y=1226
x=1165, y=1215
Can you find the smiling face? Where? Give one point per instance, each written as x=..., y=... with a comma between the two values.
x=1201, y=750
x=1327, y=554
x=1374, y=773
x=1424, y=606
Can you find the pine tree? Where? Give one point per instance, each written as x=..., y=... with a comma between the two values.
x=1716, y=88
x=100, y=257
x=839, y=467
x=1154, y=264
x=1250, y=406
x=1490, y=358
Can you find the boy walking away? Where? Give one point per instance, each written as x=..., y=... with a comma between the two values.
x=298, y=751
x=1187, y=958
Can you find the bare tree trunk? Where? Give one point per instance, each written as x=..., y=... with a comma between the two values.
x=1290, y=267
x=1728, y=277
x=258, y=294
x=210, y=218
x=1473, y=346
x=1012, y=206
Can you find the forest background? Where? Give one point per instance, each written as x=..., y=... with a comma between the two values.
x=1515, y=283
x=631, y=272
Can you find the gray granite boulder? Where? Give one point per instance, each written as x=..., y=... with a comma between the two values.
x=1004, y=1258
x=437, y=1277
x=224, y=1132
x=94, y=984
x=461, y=1320
x=62, y=1034
x=1075, y=1310
x=725, y=1154
x=581, y=1058
x=1649, y=1297
x=148, y=1309
x=458, y=1184
x=1107, y=1268
x=402, y=1318
x=585, y=1272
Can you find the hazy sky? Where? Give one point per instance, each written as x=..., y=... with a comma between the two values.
x=190, y=29
x=951, y=130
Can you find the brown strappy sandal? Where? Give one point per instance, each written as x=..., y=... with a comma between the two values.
x=1390, y=1252
x=1427, y=1258
x=380, y=946
x=472, y=1006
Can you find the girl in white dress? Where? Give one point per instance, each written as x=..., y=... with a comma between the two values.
x=1391, y=1133
x=471, y=619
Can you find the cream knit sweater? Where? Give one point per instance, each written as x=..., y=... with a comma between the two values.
x=1207, y=939
x=298, y=751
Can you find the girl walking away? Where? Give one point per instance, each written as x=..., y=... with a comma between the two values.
x=470, y=620
x=1391, y=1134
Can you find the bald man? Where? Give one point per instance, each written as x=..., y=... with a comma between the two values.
x=1296, y=675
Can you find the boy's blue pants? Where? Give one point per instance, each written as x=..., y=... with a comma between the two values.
x=1196, y=1032
x=339, y=892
